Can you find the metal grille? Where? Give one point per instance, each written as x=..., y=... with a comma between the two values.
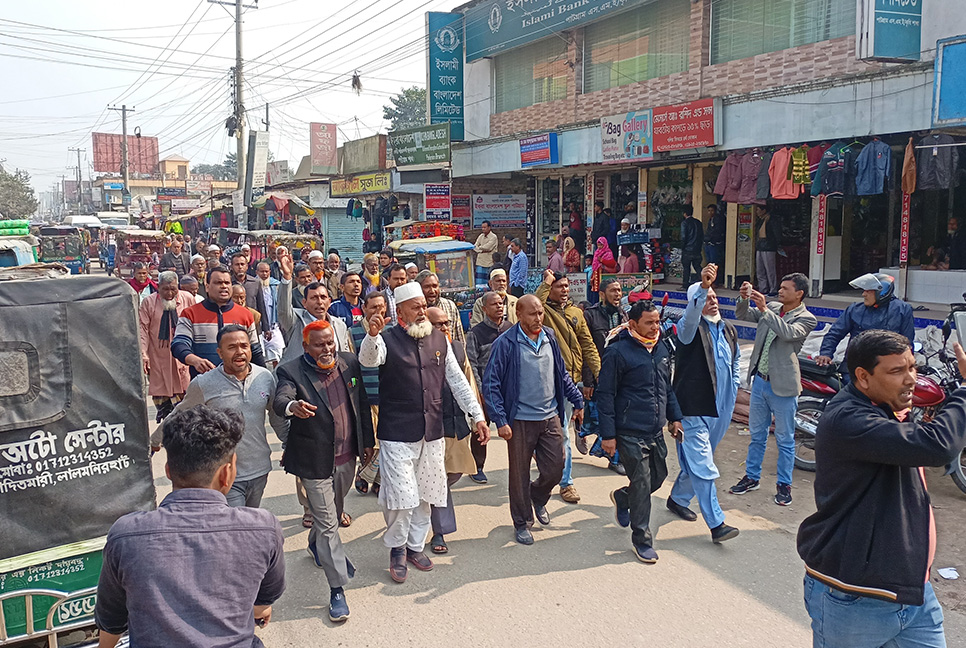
x=646, y=43
x=533, y=74
x=744, y=28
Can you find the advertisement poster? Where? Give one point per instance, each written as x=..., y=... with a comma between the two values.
x=462, y=210
x=323, y=147
x=822, y=218
x=502, y=210
x=627, y=137
x=686, y=126
x=538, y=150
x=578, y=286
x=436, y=199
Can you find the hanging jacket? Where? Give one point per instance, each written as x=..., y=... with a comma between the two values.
x=729, y=180
x=937, y=164
x=909, y=169
x=764, y=179
x=872, y=168
x=782, y=186
x=349, y=206
x=833, y=175
x=751, y=165
x=814, y=156
x=798, y=165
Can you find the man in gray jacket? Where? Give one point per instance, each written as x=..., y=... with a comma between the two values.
x=775, y=377
x=239, y=386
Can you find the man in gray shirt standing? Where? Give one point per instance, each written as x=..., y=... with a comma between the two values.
x=239, y=386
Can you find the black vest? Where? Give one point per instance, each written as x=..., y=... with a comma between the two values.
x=411, y=387
x=695, y=383
x=454, y=421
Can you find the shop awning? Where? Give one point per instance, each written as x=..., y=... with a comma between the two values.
x=424, y=246
x=281, y=199
x=204, y=210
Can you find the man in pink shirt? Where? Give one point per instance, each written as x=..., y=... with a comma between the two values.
x=555, y=260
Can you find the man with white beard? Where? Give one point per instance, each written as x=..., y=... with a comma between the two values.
x=273, y=344
x=158, y=317
x=410, y=429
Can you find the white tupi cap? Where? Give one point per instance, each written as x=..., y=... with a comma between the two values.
x=407, y=291
x=315, y=254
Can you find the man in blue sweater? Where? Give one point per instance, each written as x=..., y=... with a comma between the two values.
x=634, y=401
x=525, y=385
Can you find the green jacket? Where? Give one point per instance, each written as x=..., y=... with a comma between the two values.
x=576, y=343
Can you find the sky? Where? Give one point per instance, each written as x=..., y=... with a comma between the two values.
x=64, y=62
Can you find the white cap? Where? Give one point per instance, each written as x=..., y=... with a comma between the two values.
x=625, y=220
x=411, y=265
x=213, y=248
x=315, y=254
x=407, y=291
x=196, y=256
x=496, y=272
x=246, y=246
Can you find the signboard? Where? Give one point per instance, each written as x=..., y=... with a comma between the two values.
x=743, y=250
x=462, y=209
x=502, y=210
x=904, y=231
x=578, y=286
x=186, y=204
x=277, y=173
x=628, y=281
x=239, y=209
x=444, y=82
x=323, y=149
x=257, y=163
x=198, y=187
x=492, y=27
x=949, y=91
x=421, y=146
x=890, y=30
x=822, y=219
x=113, y=186
x=361, y=184
x=539, y=150
x=687, y=126
x=167, y=193
x=436, y=201
x=142, y=154
x=627, y=137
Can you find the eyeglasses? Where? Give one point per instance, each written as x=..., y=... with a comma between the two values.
x=441, y=325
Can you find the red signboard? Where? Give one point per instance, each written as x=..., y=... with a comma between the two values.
x=462, y=210
x=142, y=154
x=822, y=213
x=324, y=148
x=904, y=231
x=437, y=201
x=685, y=126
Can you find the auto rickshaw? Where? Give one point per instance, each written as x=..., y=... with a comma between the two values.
x=66, y=244
x=453, y=263
x=231, y=239
x=137, y=246
x=70, y=463
x=18, y=250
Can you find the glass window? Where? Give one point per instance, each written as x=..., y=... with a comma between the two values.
x=530, y=75
x=637, y=45
x=744, y=28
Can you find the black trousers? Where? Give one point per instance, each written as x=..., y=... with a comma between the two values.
x=542, y=440
x=645, y=461
x=516, y=291
x=690, y=262
x=479, y=452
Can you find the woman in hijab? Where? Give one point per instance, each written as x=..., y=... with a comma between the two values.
x=603, y=262
x=571, y=255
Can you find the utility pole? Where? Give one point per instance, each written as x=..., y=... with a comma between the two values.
x=80, y=176
x=125, y=171
x=266, y=121
x=239, y=88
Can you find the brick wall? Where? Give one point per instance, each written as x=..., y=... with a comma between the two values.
x=834, y=58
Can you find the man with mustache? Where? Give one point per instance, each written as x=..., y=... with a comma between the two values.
x=498, y=284
x=414, y=361
x=158, y=318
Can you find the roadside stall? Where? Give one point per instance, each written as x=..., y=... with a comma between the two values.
x=70, y=463
x=67, y=245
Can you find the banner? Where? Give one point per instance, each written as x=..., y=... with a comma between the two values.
x=538, y=150
x=502, y=210
x=323, y=149
x=198, y=187
x=462, y=210
x=627, y=137
x=142, y=154
x=437, y=202
x=686, y=126
x=257, y=163
x=239, y=209
x=185, y=204
x=444, y=83
x=890, y=30
x=419, y=146
x=361, y=184
x=277, y=173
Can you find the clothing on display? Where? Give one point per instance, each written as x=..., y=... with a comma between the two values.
x=872, y=168
x=909, y=169
x=814, y=155
x=782, y=186
x=836, y=172
x=764, y=179
x=798, y=167
x=729, y=180
x=937, y=162
x=750, y=166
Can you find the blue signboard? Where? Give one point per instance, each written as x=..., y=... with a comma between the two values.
x=113, y=186
x=949, y=91
x=492, y=27
x=444, y=94
x=897, y=30
x=539, y=150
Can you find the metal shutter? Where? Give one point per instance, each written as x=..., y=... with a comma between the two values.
x=343, y=233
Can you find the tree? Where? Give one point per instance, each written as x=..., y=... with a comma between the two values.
x=231, y=166
x=216, y=171
x=408, y=109
x=16, y=195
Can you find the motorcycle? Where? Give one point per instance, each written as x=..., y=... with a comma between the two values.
x=934, y=384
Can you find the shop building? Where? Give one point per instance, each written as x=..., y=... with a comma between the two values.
x=794, y=74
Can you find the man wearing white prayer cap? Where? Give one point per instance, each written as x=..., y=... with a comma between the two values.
x=413, y=359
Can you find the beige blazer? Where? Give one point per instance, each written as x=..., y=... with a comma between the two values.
x=790, y=333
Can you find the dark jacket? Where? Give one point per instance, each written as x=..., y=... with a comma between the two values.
x=310, y=447
x=717, y=229
x=695, y=379
x=634, y=396
x=956, y=249
x=454, y=421
x=895, y=316
x=411, y=386
x=501, y=380
x=870, y=534
x=479, y=342
x=600, y=322
x=179, y=263
x=773, y=235
x=937, y=171
x=692, y=236
x=255, y=299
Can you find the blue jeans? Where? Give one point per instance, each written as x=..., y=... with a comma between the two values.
x=567, y=479
x=591, y=427
x=841, y=620
x=764, y=403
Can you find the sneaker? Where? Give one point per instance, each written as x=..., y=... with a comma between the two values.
x=582, y=446
x=746, y=485
x=479, y=478
x=784, y=495
x=569, y=494
x=645, y=554
x=523, y=536
x=617, y=468
x=622, y=512
x=315, y=555
x=338, y=608
x=723, y=532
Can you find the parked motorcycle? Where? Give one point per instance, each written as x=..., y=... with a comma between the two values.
x=933, y=386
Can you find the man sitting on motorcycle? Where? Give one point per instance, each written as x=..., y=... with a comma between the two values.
x=879, y=310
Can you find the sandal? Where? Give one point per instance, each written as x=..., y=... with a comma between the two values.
x=438, y=545
x=346, y=520
x=361, y=485
x=375, y=489
x=307, y=521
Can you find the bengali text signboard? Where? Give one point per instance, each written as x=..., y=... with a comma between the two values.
x=539, y=150
x=361, y=184
x=462, y=209
x=502, y=210
x=436, y=201
x=687, y=126
x=323, y=148
x=444, y=85
x=421, y=146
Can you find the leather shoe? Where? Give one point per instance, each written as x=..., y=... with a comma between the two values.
x=524, y=536
x=542, y=516
x=682, y=512
x=397, y=564
x=723, y=532
x=583, y=447
x=419, y=560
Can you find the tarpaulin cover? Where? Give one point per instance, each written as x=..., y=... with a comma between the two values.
x=74, y=447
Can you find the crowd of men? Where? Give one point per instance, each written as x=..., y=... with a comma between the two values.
x=370, y=380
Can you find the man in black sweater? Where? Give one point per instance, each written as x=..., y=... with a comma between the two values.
x=869, y=547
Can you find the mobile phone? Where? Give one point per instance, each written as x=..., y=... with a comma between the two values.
x=959, y=319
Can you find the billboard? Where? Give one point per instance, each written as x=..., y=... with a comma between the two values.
x=627, y=137
x=324, y=149
x=437, y=201
x=142, y=154
x=419, y=146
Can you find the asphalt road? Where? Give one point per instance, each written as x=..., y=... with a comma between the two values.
x=579, y=584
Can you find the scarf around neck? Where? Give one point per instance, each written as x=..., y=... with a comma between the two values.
x=169, y=322
x=647, y=343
